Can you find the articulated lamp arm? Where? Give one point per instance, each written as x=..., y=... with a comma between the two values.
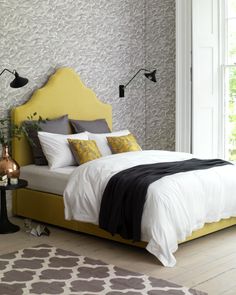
x=149, y=75
x=7, y=71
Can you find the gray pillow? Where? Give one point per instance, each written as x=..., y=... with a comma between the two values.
x=59, y=126
x=95, y=126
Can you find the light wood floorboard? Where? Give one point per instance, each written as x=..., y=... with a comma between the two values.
x=207, y=264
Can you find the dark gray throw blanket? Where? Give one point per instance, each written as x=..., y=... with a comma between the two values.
x=125, y=194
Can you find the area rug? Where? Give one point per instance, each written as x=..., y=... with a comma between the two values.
x=48, y=270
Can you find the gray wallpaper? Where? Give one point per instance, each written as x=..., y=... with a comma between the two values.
x=160, y=52
x=106, y=42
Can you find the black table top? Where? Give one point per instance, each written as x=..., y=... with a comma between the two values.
x=21, y=184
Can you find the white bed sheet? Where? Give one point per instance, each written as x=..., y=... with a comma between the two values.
x=176, y=205
x=41, y=178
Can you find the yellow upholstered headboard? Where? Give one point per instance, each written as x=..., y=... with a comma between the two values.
x=63, y=94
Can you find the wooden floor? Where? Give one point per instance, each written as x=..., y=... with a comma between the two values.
x=207, y=264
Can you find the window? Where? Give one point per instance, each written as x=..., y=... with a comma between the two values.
x=212, y=114
x=230, y=79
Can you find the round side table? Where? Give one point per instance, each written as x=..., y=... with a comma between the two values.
x=6, y=227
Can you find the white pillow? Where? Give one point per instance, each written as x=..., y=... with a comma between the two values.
x=101, y=140
x=56, y=148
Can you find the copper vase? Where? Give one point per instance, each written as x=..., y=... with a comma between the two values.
x=8, y=165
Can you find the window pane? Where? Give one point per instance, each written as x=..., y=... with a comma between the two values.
x=230, y=128
x=231, y=8
x=232, y=41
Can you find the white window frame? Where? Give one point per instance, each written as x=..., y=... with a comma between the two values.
x=221, y=103
x=183, y=76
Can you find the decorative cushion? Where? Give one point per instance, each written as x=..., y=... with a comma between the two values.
x=101, y=140
x=123, y=144
x=57, y=150
x=59, y=126
x=96, y=126
x=84, y=150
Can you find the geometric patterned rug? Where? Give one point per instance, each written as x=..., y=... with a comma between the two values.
x=48, y=270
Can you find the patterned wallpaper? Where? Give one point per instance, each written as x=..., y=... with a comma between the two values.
x=160, y=52
x=106, y=42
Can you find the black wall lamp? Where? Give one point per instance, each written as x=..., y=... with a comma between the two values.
x=150, y=75
x=18, y=81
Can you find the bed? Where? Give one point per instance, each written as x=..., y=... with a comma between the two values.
x=65, y=93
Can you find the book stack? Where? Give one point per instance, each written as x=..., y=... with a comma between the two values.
x=3, y=180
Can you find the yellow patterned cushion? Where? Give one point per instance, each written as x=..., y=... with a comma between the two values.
x=84, y=150
x=122, y=144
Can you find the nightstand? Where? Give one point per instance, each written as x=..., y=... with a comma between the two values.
x=6, y=227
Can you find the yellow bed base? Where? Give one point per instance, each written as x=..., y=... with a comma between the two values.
x=64, y=93
x=49, y=208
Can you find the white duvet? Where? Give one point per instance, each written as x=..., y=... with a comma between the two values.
x=175, y=205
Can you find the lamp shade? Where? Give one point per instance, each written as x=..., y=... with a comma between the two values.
x=151, y=76
x=18, y=81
